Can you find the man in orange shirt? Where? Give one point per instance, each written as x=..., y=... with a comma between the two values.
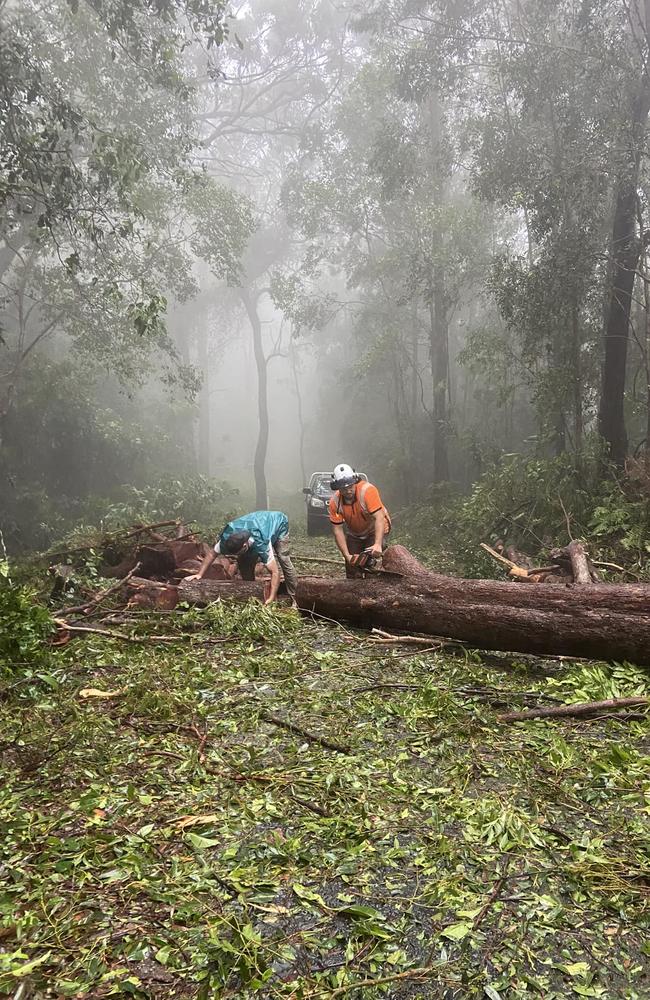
x=359, y=520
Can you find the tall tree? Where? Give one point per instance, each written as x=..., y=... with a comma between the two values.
x=627, y=242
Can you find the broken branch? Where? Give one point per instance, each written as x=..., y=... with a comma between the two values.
x=576, y=709
x=276, y=720
x=89, y=605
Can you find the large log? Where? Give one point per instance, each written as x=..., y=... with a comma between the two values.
x=598, y=622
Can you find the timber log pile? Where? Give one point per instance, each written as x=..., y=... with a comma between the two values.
x=572, y=616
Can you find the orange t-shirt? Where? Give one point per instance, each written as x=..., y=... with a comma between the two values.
x=358, y=515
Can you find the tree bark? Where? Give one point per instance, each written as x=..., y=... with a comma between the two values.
x=301, y=421
x=576, y=709
x=259, y=462
x=579, y=563
x=626, y=249
x=439, y=333
x=603, y=622
x=204, y=430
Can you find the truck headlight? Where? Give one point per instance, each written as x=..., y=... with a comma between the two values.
x=315, y=502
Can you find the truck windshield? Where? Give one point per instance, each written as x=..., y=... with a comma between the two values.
x=321, y=484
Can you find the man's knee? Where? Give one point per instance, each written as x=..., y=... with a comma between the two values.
x=288, y=571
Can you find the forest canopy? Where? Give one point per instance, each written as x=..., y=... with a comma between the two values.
x=418, y=226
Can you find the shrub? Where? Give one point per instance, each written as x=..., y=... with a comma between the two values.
x=25, y=627
x=533, y=503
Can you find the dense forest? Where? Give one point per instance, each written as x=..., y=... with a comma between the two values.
x=239, y=244
x=415, y=233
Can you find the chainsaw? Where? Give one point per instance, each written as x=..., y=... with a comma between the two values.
x=366, y=563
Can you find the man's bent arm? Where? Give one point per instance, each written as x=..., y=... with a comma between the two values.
x=341, y=542
x=380, y=529
x=273, y=568
x=205, y=566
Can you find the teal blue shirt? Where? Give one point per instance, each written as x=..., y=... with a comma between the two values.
x=266, y=528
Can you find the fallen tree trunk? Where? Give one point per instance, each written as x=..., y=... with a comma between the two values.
x=596, y=622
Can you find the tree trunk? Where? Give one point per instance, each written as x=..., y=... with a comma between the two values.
x=439, y=369
x=626, y=248
x=576, y=375
x=603, y=622
x=301, y=420
x=259, y=462
x=204, y=443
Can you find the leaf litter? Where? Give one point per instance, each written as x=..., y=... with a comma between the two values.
x=296, y=813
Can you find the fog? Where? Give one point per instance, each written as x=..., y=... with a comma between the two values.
x=250, y=243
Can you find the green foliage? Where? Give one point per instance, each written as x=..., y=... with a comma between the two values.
x=202, y=503
x=70, y=439
x=90, y=183
x=623, y=517
x=195, y=499
x=601, y=681
x=252, y=621
x=526, y=502
x=25, y=627
x=215, y=853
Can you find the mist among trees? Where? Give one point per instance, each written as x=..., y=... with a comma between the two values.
x=243, y=243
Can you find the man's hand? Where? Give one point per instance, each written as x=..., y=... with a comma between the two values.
x=193, y=576
x=375, y=552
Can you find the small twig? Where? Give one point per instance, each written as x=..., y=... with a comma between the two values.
x=311, y=806
x=427, y=649
x=314, y=614
x=360, y=984
x=619, y=569
x=202, y=738
x=560, y=834
x=385, y=685
x=388, y=637
x=324, y=562
x=567, y=519
x=276, y=720
x=492, y=898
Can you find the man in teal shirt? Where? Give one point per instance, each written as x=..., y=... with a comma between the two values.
x=261, y=535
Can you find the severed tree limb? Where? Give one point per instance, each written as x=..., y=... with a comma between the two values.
x=89, y=605
x=111, y=634
x=579, y=562
x=112, y=536
x=515, y=571
x=276, y=720
x=497, y=555
x=575, y=710
x=601, y=622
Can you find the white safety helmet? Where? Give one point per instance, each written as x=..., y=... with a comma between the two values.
x=343, y=475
